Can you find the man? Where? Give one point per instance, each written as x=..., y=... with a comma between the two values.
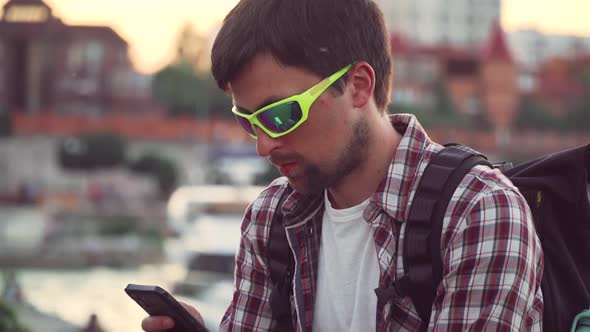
x=310, y=80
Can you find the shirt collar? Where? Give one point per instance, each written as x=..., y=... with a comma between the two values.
x=393, y=193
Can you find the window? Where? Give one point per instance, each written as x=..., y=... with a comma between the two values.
x=30, y=14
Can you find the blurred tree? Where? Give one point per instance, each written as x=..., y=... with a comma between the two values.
x=443, y=113
x=533, y=115
x=442, y=100
x=220, y=104
x=577, y=118
x=186, y=86
x=185, y=93
x=434, y=117
x=179, y=88
x=9, y=319
x=5, y=124
x=92, y=151
x=116, y=225
x=584, y=76
x=480, y=121
x=161, y=169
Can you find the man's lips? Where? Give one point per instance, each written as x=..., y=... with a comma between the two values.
x=287, y=168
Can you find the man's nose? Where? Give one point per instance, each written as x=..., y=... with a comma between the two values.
x=265, y=144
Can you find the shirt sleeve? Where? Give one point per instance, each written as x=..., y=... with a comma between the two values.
x=492, y=269
x=250, y=309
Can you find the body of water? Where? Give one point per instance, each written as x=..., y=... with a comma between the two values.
x=73, y=295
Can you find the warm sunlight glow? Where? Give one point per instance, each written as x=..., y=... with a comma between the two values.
x=551, y=16
x=151, y=27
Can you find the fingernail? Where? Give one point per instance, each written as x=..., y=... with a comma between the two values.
x=167, y=323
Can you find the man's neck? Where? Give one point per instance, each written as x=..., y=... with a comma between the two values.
x=363, y=181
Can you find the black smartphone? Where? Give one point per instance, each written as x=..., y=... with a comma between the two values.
x=156, y=301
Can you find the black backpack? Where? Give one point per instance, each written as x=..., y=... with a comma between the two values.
x=555, y=188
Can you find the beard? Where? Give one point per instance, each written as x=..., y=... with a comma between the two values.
x=315, y=179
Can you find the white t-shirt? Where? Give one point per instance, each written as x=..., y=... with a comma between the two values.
x=348, y=272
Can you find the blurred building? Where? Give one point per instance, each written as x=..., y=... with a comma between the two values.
x=532, y=47
x=478, y=82
x=562, y=82
x=464, y=23
x=49, y=66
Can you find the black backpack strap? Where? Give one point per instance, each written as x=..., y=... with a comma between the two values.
x=281, y=264
x=422, y=259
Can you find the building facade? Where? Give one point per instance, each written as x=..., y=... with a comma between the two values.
x=532, y=47
x=49, y=66
x=463, y=23
x=482, y=82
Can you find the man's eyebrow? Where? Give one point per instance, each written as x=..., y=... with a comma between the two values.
x=266, y=102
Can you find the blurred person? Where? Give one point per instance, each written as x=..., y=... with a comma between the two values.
x=93, y=325
x=310, y=80
x=12, y=291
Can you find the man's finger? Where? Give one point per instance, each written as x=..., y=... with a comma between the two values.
x=193, y=311
x=156, y=323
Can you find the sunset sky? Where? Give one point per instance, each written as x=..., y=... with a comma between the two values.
x=151, y=26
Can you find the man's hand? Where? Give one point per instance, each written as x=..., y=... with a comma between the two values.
x=163, y=323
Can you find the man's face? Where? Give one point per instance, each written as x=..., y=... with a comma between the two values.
x=324, y=149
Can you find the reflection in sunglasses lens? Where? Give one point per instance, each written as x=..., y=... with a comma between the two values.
x=281, y=118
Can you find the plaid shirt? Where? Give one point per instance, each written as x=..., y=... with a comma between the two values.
x=492, y=256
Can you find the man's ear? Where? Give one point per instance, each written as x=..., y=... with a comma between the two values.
x=361, y=78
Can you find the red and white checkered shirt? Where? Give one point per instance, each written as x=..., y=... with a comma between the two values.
x=491, y=254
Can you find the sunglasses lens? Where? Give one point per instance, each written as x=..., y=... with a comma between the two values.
x=282, y=117
x=246, y=125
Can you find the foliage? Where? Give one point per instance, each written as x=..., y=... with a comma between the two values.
x=9, y=320
x=5, y=124
x=186, y=93
x=92, y=151
x=153, y=236
x=117, y=225
x=443, y=112
x=179, y=89
x=220, y=104
x=163, y=170
x=531, y=114
x=584, y=76
x=432, y=118
x=443, y=104
x=186, y=86
x=577, y=118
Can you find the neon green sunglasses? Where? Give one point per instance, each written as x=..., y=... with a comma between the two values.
x=284, y=116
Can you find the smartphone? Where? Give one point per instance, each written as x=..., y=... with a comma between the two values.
x=156, y=301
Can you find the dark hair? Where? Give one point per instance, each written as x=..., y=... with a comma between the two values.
x=322, y=36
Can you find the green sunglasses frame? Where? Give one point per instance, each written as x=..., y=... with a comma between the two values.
x=305, y=100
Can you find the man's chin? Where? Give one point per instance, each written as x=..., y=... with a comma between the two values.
x=301, y=185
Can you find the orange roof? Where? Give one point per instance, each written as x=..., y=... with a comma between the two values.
x=497, y=47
